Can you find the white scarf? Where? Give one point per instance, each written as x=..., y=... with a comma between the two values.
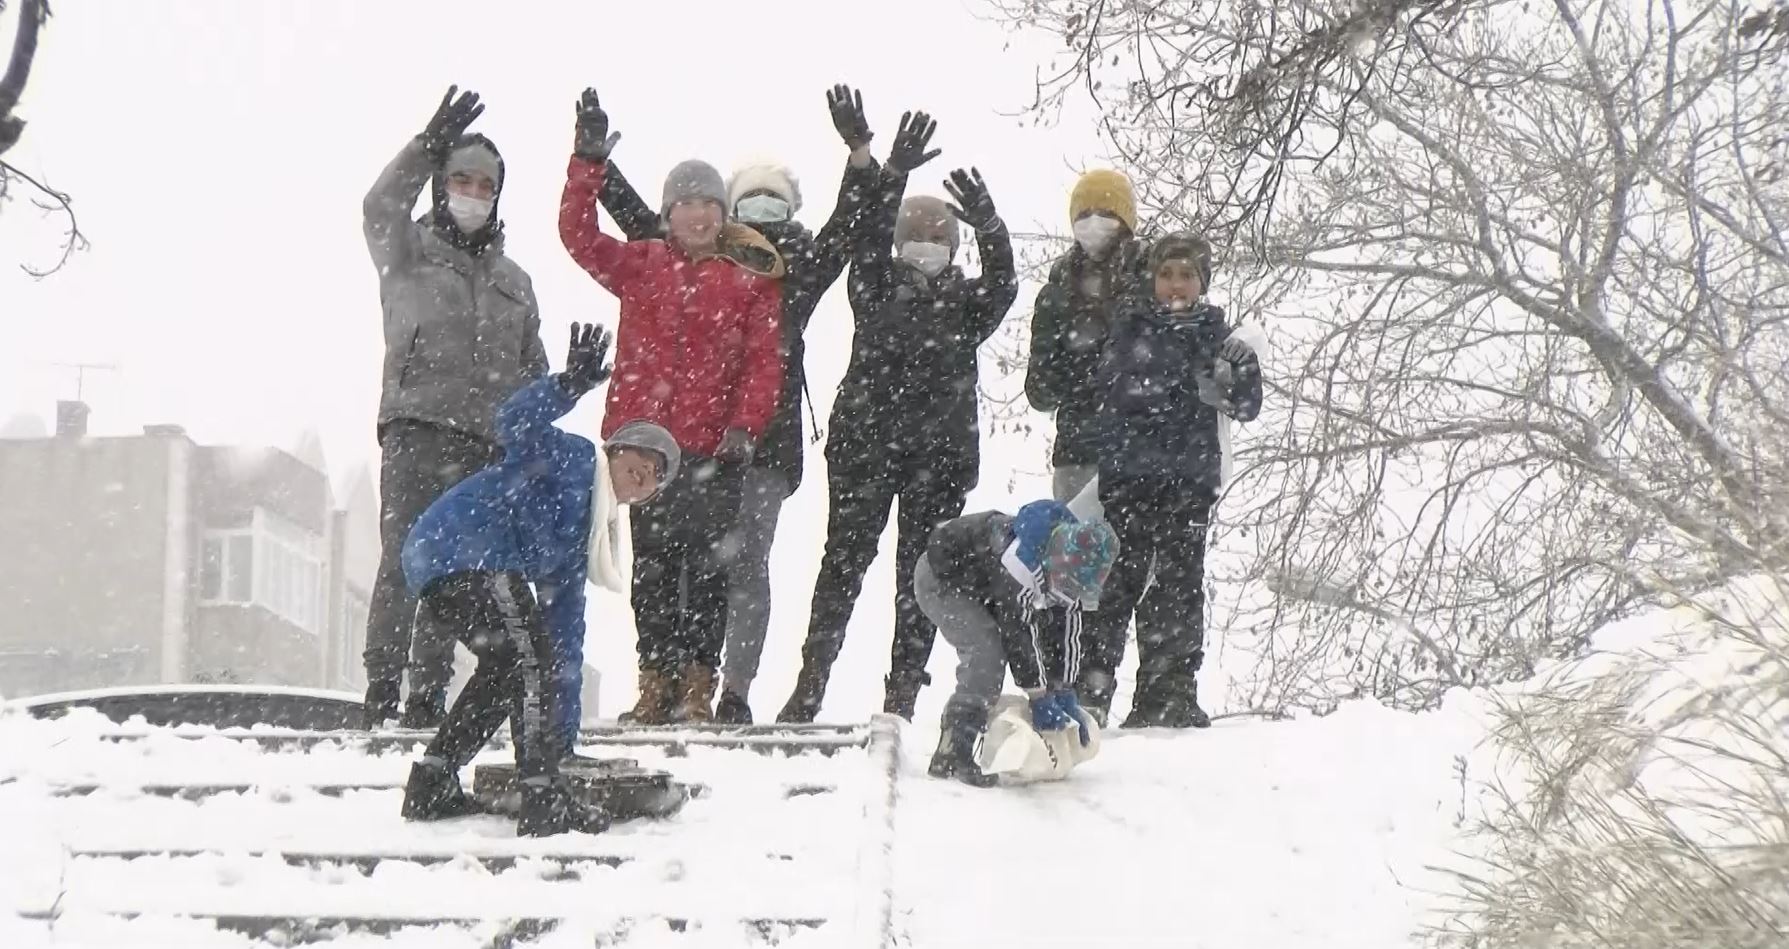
x=609, y=568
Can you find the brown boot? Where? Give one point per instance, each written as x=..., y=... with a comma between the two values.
x=655, y=699
x=695, y=694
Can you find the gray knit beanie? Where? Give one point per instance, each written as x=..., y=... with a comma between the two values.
x=694, y=179
x=923, y=210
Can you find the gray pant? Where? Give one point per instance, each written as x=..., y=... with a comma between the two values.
x=1068, y=480
x=418, y=462
x=748, y=578
x=971, y=630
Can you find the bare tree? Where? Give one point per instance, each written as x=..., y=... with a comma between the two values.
x=32, y=15
x=1527, y=273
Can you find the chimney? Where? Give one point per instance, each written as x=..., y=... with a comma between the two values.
x=71, y=419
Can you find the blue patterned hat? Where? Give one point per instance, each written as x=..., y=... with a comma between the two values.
x=1078, y=560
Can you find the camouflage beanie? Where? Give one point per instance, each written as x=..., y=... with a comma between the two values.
x=1079, y=558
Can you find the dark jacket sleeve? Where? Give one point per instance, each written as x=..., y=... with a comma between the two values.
x=872, y=261
x=637, y=220
x=1044, y=384
x=1245, y=388
x=833, y=245
x=992, y=294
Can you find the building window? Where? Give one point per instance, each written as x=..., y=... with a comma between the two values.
x=273, y=564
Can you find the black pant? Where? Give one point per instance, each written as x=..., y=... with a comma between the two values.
x=684, y=541
x=931, y=489
x=418, y=462
x=1164, y=520
x=496, y=616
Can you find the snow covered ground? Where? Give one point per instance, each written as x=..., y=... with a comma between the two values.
x=1250, y=834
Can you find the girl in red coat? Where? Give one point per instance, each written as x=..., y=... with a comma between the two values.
x=697, y=353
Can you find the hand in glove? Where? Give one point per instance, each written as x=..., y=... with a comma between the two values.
x=737, y=445
x=846, y=106
x=1047, y=714
x=1069, y=703
x=594, y=141
x=974, y=206
x=909, y=149
x=1235, y=350
x=450, y=121
x=585, y=363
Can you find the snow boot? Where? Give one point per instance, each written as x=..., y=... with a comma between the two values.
x=955, y=758
x=381, y=704
x=810, y=688
x=695, y=695
x=549, y=808
x=654, y=705
x=1094, y=691
x=425, y=711
x=1146, y=702
x=1180, y=703
x=433, y=793
x=901, y=692
x=732, y=709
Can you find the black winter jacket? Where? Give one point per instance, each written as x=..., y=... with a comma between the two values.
x=911, y=384
x=1152, y=422
x=1069, y=325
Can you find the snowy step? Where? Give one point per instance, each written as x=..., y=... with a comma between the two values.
x=767, y=739
x=195, y=791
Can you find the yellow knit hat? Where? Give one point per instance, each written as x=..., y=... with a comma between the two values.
x=1104, y=190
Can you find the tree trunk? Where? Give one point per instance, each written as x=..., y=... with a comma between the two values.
x=12, y=86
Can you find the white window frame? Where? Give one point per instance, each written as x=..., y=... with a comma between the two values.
x=288, y=570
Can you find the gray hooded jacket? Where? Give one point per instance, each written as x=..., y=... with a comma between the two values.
x=462, y=330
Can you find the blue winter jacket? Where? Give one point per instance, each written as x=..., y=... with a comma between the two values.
x=529, y=514
x=1151, y=422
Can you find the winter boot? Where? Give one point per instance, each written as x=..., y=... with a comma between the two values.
x=1180, y=703
x=1095, y=694
x=549, y=807
x=381, y=704
x=654, y=705
x=1146, y=702
x=901, y=692
x=695, y=695
x=732, y=709
x=433, y=793
x=955, y=757
x=810, y=688
x=424, y=711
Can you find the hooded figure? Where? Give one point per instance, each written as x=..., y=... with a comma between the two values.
x=765, y=196
x=462, y=332
x=1073, y=315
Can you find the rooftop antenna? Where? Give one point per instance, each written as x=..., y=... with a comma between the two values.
x=80, y=369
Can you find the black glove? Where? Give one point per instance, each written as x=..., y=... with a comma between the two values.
x=847, y=116
x=909, y=149
x=737, y=445
x=585, y=365
x=594, y=141
x=1235, y=350
x=449, y=123
x=974, y=206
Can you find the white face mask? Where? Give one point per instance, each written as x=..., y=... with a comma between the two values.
x=761, y=209
x=469, y=213
x=928, y=259
x=1095, y=233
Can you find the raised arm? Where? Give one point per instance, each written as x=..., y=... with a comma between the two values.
x=385, y=211
x=602, y=256
x=871, y=260
x=632, y=214
x=524, y=422
x=992, y=294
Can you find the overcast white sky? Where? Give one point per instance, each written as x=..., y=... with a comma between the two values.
x=217, y=151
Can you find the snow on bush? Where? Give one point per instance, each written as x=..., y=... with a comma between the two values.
x=1643, y=791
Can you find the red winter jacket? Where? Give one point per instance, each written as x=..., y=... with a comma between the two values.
x=698, y=350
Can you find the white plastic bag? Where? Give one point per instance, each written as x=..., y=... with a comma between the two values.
x=1019, y=754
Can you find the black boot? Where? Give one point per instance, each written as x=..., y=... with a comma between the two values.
x=901, y=692
x=955, y=757
x=810, y=688
x=1180, y=703
x=1146, y=702
x=381, y=704
x=424, y=711
x=433, y=793
x=732, y=710
x=550, y=808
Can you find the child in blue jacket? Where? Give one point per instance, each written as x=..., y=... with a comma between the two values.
x=500, y=561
